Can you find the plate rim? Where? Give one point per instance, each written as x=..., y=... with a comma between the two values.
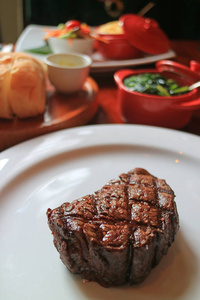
x=74, y=130
x=60, y=137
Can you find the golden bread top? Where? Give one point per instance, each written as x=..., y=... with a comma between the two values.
x=22, y=85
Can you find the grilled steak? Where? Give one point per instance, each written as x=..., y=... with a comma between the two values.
x=119, y=233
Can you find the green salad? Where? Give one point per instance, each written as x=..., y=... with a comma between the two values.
x=154, y=84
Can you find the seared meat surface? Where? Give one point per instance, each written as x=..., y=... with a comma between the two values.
x=118, y=234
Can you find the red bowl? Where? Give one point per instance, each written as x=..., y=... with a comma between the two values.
x=171, y=112
x=117, y=47
x=131, y=36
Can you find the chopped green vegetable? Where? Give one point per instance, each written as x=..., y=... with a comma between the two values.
x=162, y=90
x=182, y=89
x=155, y=84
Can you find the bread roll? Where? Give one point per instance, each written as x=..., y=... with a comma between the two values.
x=22, y=86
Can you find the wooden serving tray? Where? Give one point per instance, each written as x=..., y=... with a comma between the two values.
x=62, y=111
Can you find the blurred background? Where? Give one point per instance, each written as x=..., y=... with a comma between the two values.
x=180, y=19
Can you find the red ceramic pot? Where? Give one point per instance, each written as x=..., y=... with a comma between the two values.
x=138, y=35
x=171, y=112
x=117, y=47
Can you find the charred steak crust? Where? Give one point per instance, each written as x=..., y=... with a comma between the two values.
x=119, y=233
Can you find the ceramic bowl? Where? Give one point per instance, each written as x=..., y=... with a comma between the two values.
x=171, y=112
x=84, y=46
x=114, y=44
x=68, y=72
x=116, y=47
x=130, y=37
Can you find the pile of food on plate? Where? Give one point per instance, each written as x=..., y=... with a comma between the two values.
x=73, y=36
x=154, y=84
x=72, y=29
x=118, y=234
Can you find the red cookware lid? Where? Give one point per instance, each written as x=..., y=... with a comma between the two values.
x=145, y=34
x=175, y=67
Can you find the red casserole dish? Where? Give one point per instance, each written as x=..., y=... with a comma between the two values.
x=171, y=112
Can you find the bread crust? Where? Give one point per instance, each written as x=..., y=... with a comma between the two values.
x=22, y=86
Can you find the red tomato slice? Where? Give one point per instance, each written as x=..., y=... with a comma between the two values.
x=72, y=24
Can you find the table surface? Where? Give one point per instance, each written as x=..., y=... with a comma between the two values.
x=186, y=51
x=106, y=99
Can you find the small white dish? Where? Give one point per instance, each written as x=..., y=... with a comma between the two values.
x=68, y=72
x=84, y=46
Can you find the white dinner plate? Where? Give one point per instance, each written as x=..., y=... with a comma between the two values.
x=62, y=166
x=33, y=37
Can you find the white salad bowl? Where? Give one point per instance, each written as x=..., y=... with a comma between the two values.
x=77, y=45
